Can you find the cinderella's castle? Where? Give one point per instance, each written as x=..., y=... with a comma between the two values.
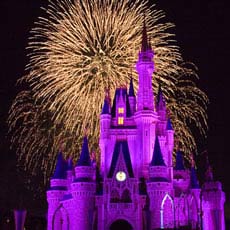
x=137, y=186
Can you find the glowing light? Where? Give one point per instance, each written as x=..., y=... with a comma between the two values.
x=120, y=120
x=121, y=176
x=76, y=51
x=120, y=110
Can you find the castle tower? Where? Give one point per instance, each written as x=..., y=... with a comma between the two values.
x=69, y=172
x=105, y=123
x=181, y=184
x=57, y=218
x=83, y=191
x=169, y=140
x=145, y=117
x=194, y=202
x=161, y=109
x=145, y=68
x=212, y=199
x=160, y=191
x=132, y=97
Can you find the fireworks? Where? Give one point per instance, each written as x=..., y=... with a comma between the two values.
x=76, y=51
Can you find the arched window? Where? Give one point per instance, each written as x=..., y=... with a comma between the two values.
x=193, y=212
x=183, y=211
x=167, y=212
x=126, y=197
x=114, y=196
x=60, y=219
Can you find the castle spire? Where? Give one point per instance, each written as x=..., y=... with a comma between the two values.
x=194, y=180
x=60, y=169
x=208, y=173
x=160, y=99
x=84, y=159
x=145, y=69
x=179, y=161
x=169, y=125
x=131, y=88
x=157, y=159
x=144, y=44
x=70, y=164
x=106, y=109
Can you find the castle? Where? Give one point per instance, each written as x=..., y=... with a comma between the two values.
x=137, y=186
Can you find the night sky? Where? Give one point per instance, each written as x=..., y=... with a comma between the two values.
x=202, y=32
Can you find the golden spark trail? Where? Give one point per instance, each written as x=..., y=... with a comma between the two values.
x=79, y=49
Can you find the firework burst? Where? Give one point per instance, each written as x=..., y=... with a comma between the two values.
x=76, y=51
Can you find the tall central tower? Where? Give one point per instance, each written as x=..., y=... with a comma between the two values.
x=145, y=116
x=145, y=68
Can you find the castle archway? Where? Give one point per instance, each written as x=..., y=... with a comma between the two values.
x=121, y=225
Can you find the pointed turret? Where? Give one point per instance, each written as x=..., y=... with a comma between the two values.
x=213, y=199
x=84, y=159
x=161, y=109
x=58, y=188
x=83, y=189
x=105, y=122
x=145, y=69
x=69, y=172
x=160, y=100
x=169, y=125
x=194, y=180
x=144, y=44
x=157, y=159
x=179, y=161
x=70, y=164
x=106, y=107
x=208, y=173
x=132, y=97
x=146, y=52
x=131, y=88
x=170, y=138
x=60, y=170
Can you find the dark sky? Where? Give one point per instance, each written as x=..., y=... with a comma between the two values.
x=202, y=32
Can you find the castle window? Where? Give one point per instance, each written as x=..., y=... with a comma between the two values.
x=120, y=120
x=121, y=110
x=126, y=197
x=114, y=197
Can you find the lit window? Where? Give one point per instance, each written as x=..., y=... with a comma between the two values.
x=120, y=110
x=120, y=120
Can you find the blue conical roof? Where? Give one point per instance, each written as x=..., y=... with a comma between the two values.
x=179, y=161
x=157, y=159
x=84, y=157
x=194, y=181
x=121, y=147
x=106, y=107
x=60, y=170
x=131, y=88
x=70, y=164
x=169, y=124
